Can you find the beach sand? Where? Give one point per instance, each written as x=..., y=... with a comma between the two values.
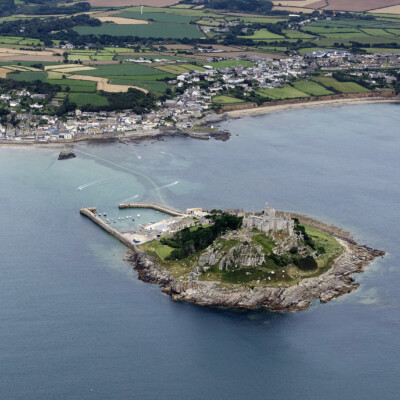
x=298, y=106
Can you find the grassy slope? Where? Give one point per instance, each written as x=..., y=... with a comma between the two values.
x=267, y=274
x=344, y=87
x=312, y=88
x=287, y=92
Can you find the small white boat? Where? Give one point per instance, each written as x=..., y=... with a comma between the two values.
x=138, y=215
x=105, y=214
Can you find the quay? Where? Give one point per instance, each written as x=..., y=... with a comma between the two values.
x=178, y=220
x=90, y=212
x=154, y=206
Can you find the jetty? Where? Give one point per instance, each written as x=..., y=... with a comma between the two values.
x=91, y=213
x=154, y=206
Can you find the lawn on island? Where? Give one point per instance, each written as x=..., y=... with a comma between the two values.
x=268, y=274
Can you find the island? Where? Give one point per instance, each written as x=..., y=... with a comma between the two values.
x=235, y=259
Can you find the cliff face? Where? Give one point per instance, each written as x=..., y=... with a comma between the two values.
x=331, y=284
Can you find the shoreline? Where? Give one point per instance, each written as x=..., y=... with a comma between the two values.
x=250, y=112
x=333, y=283
x=157, y=135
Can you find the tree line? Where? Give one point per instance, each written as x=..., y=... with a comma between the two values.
x=187, y=241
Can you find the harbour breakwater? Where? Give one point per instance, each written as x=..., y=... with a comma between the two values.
x=154, y=206
x=90, y=212
x=325, y=287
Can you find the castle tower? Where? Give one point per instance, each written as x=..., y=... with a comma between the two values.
x=269, y=213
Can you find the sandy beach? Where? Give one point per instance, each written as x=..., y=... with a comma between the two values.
x=320, y=103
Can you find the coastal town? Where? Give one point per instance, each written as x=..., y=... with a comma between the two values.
x=193, y=103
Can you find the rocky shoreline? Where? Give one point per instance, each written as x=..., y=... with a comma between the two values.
x=333, y=283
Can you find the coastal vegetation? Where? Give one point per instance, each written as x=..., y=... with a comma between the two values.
x=310, y=254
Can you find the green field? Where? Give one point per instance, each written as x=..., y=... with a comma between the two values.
x=230, y=63
x=74, y=85
x=293, y=34
x=344, y=87
x=348, y=30
x=28, y=76
x=20, y=40
x=262, y=34
x=153, y=30
x=158, y=17
x=381, y=50
x=287, y=92
x=376, y=32
x=81, y=99
x=226, y=100
x=178, y=69
x=120, y=70
x=152, y=86
x=176, y=11
x=311, y=88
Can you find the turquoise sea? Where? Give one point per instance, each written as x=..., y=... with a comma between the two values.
x=75, y=323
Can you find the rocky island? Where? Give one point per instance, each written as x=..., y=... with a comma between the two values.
x=270, y=259
x=233, y=259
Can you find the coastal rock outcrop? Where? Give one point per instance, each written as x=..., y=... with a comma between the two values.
x=333, y=283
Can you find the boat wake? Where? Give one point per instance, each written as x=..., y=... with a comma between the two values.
x=168, y=154
x=169, y=185
x=130, y=198
x=86, y=185
x=121, y=167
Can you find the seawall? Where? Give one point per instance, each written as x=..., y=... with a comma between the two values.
x=154, y=206
x=90, y=213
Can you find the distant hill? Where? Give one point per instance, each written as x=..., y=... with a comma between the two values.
x=6, y=7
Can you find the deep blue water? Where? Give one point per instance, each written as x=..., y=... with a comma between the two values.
x=77, y=324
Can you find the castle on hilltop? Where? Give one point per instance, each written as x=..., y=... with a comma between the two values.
x=269, y=222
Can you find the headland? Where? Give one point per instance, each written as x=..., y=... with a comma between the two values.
x=235, y=259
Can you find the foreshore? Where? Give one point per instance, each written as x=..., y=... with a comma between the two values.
x=159, y=134
x=272, y=108
x=325, y=287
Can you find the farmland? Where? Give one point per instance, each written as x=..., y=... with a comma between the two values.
x=158, y=17
x=230, y=63
x=343, y=87
x=120, y=70
x=287, y=92
x=311, y=88
x=263, y=34
x=152, y=30
x=226, y=100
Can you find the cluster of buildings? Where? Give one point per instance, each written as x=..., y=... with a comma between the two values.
x=194, y=101
x=269, y=222
x=328, y=60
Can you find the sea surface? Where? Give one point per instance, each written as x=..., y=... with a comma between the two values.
x=75, y=323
